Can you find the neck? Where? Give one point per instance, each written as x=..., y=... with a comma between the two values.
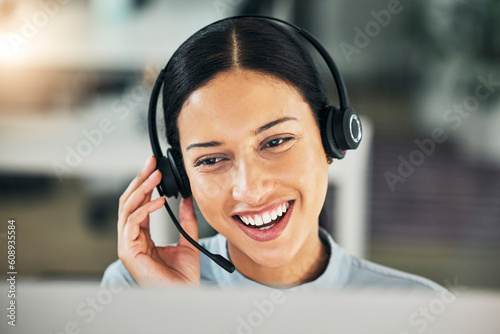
x=307, y=265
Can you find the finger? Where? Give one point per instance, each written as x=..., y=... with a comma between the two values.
x=139, y=197
x=139, y=219
x=188, y=221
x=149, y=167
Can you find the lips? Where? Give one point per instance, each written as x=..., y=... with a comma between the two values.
x=266, y=218
x=265, y=225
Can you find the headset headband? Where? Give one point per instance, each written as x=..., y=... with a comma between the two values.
x=339, y=82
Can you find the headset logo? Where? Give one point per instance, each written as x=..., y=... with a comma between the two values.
x=355, y=128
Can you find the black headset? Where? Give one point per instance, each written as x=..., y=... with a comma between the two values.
x=340, y=131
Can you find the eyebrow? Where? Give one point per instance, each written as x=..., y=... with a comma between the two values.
x=273, y=123
x=208, y=144
x=259, y=130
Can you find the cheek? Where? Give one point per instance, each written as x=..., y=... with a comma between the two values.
x=207, y=188
x=307, y=167
x=309, y=175
x=210, y=194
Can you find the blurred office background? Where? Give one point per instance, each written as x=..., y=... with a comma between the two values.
x=75, y=78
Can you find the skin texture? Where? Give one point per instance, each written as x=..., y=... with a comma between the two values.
x=246, y=167
x=147, y=263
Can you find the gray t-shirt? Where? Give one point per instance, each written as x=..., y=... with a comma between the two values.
x=344, y=271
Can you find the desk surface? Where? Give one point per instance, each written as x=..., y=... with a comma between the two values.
x=71, y=307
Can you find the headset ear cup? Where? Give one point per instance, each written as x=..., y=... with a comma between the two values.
x=181, y=179
x=167, y=185
x=327, y=133
x=347, y=129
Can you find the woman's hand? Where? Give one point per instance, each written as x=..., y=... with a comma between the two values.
x=147, y=263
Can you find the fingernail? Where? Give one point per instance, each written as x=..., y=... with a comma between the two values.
x=153, y=174
x=148, y=161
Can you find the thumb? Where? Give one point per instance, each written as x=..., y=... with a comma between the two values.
x=188, y=221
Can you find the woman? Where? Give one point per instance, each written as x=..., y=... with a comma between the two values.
x=242, y=103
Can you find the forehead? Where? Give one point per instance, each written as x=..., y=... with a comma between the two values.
x=237, y=101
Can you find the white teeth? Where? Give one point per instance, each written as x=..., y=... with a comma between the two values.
x=266, y=217
x=258, y=220
x=266, y=228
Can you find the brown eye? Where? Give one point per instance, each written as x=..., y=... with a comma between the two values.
x=276, y=142
x=208, y=161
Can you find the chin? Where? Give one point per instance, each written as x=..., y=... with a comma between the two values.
x=271, y=259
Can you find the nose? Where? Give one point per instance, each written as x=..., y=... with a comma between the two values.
x=251, y=182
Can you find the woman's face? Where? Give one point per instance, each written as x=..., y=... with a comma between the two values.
x=256, y=165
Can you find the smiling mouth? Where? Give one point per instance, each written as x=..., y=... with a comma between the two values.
x=266, y=220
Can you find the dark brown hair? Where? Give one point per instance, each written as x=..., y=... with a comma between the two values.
x=254, y=44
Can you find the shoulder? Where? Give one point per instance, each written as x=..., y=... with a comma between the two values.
x=365, y=273
x=348, y=271
x=211, y=273
x=117, y=275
